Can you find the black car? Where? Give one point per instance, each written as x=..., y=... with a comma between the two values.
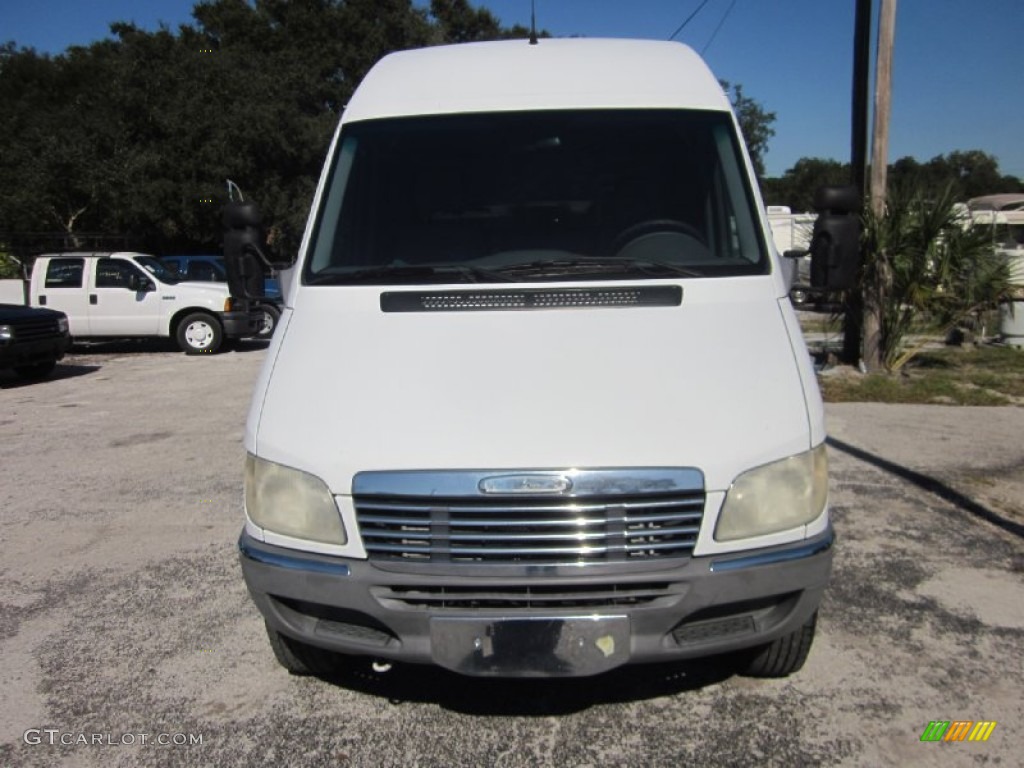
x=32, y=340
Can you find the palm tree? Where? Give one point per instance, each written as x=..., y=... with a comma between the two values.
x=922, y=256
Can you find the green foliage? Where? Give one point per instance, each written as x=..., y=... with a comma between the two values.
x=968, y=174
x=950, y=375
x=965, y=174
x=755, y=124
x=458, y=22
x=797, y=186
x=136, y=135
x=920, y=258
x=10, y=268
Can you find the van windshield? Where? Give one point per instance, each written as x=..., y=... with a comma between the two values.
x=527, y=196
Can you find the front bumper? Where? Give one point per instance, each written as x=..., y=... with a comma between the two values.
x=44, y=350
x=241, y=324
x=550, y=622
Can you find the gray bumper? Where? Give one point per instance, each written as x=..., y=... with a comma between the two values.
x=550, y=622
x=241, y=324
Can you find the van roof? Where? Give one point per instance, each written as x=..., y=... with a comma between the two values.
x=513, y=75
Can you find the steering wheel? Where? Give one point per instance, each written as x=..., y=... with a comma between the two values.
x=655, y=226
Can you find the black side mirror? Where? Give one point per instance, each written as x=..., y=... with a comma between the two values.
x=140, y=284
x=243, y=256
x=835, y=241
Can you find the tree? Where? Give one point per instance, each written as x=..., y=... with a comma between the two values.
x=966, y=174
x=970, y=173
x=136, y=135
x=797, y=185
x=755, y=124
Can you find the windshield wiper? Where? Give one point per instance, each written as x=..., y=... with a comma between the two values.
x=597, y=264
x=409, y=273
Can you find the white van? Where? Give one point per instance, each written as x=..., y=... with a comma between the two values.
x=538, y=403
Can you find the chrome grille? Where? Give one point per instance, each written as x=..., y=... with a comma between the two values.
x=608, y=516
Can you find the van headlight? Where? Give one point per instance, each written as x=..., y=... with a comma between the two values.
x=775, y=497
x=289, y=502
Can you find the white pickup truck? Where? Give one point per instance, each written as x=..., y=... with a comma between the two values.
x=132, y=294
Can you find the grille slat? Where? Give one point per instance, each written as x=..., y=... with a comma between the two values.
x=523, y=597
x=392, y=505
x=548, y=528
x=35, y=329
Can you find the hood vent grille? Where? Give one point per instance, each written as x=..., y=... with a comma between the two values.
x=531, y=298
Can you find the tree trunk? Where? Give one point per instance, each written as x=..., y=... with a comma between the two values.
x=875, y=290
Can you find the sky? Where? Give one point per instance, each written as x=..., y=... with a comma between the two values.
x=957, y=81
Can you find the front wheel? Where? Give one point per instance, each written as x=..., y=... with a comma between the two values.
x=268, y=321
x=783, y=656
x=199, y=334
x=301, y=659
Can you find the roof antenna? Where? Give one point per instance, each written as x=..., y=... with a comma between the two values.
x=533, y=22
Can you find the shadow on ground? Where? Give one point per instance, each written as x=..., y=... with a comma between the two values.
x=931, y=485
x=156, y=345
x=534, y=697
x=10, y=380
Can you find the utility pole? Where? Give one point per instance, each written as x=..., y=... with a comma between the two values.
x=875, y=293
x=883, y=106
x=853, y=309
x=861, y=92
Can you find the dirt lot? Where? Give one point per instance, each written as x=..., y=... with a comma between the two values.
x=124, y=619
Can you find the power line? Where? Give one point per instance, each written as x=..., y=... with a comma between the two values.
x=688, y=20
x=715, y=33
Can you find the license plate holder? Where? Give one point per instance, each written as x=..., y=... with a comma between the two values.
x=531, y=647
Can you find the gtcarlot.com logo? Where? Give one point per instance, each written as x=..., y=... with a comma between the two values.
x=55, y=737
x=958, y=730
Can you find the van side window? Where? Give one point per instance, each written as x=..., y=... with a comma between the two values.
x=64, y=273
x=114, y=274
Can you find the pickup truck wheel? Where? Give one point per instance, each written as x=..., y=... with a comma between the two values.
x=782, y=656
x=301, y=659
x=199, y=333
x=36, y=371
x=268, y=322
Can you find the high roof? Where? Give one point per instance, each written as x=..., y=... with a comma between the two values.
x=1004, y=202
x=554, y=74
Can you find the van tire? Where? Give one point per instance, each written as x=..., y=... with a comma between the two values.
x=199, y=334
x=301, y=659
x=783, y=656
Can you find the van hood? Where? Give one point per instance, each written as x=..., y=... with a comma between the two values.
x=713, y=384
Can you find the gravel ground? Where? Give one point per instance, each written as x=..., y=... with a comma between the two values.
x=124, y=618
